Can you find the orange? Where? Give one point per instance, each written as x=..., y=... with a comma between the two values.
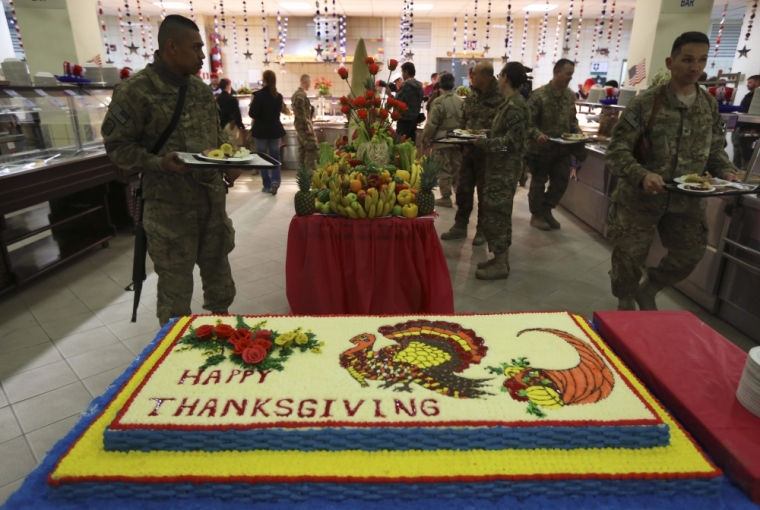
x=356, y=185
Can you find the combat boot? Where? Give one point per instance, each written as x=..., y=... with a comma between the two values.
x=444, y=202
x=539, y=222
x=550, y=220
x=456, y=232
x=487, y=263
x=479, y=239
x=626, y=304
x=499, y=270
x=646, y=293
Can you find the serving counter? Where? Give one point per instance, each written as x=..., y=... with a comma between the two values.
x=726, y=282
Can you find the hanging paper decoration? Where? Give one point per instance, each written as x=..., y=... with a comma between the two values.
x=192, y=11
x=542, y=37
x=326, y=56
x=163, y=11
x=216, y=52
x=593, y=43
x=568, y=29
x=475, y=28
x=335, y=31
x=123, y=37
x=282, y=45
x=578, y=33
x=150, y=35
x=146, y=56
x=342, y=19
x=454, y=49
x=749, y=23
x=247, y=53
x=720, y=33
x=102, y=28
x=611, y=24
x=556, y=37
x=488, y=29
x=264, y=34
x=234, y=38
x=508, y=36
x=464, y=41
x=279, y=36
x=129, y=21
x=600, y=27
x=619, y=35
x=402, y=35
x=221, y=12
x=409, y=53
x=524, y=37
x=317, y=18
x=511, y=33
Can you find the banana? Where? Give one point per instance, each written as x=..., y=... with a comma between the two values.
x=375, y=196
x=352, y=213
x=372, y=211
x=386, y=209
x=341, y=210
x=392, y=200
x=380, y=208
x=391, y=187
x=367, y=203
x=359, y=210
x=333, y=206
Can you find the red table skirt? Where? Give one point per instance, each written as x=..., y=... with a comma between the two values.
x=695, y=372
x=339, y=266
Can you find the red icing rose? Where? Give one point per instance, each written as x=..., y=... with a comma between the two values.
x=264, y=333
x=223, y=331
x=204, y=332
x=242, y=345
x=254, y=354
x=266, y=344
x=242, y=333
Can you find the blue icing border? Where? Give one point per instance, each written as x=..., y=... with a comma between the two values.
x=374, y=439
x=36, y=493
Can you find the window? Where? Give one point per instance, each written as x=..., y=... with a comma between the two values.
x=423, y=35
x=729, y=38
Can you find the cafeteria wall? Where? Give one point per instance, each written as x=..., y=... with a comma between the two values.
x=749, y=65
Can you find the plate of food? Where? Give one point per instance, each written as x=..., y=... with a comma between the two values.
x=228, y=154
x=699, y=187
x=471, y=133
x=574, y=136
x=699, y=179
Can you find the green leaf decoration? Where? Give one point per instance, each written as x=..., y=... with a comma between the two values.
x=213, y=360
x=535, y=410
x=240, y=322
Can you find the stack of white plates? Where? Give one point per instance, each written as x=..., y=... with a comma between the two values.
x=16, y=72
x=109, y=74
x=626, y=94
x=594, y=95
x=748, y=392
x=43, y=79
x=93, y=72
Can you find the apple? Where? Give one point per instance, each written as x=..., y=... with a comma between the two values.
x=396, y=211
x=351, y=197
x=326, y=209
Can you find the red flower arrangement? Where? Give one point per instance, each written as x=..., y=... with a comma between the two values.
x=368, y=109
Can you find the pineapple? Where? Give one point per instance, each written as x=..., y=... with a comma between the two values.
x=304, y=198
x=428, y=181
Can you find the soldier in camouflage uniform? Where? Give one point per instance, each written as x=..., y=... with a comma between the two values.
x=445, y=113
x=553, y=113
x=308, y=148
x=687, y=138
x=480, y=109
x=184, y=209
x=503, y=169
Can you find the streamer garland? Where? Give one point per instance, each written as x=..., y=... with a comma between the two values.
x=14, y=20
x=593, y=44
x=488, y=29
x=264, y=35
x=234, y=38
x=601, y=21
x=619, y=35
x=146, y=56
x=150, y=36
x=543, y=31
x=402, y=37
x=568, y=29
x=343, y=40
x=192, y=11
x=102, y=28
x=129, y=21
x=326, y=56
x=556, y=37
x=464, y=41
x=409, y=53
x=335, y=31
x=123, y=38
x=454, y=49
x=578, y=33
x=749, y=23
x=247, y=53
x=508, y=35
x=163, y=10
x=611, y=24
x=279, y=35
x=720, y=33
x=475, y=27
x=511, y=33
x=221, y=12
x=524, y=37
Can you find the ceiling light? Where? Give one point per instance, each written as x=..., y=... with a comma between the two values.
x=173, y=6
x=423, y=7
x=294, y=6
x=539, y=7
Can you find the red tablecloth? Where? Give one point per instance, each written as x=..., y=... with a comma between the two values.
x=341, y=266
x=695, y=372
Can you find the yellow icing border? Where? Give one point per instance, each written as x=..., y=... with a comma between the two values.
x=87, y=459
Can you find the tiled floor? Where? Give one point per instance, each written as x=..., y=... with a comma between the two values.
x=66, y=338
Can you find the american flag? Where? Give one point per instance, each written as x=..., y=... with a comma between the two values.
x=637, y=73
x=97, y=60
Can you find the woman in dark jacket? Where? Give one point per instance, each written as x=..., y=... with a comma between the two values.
x=267, y=129
x=229, y=109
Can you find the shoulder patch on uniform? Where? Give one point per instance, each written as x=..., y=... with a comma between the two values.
x=119, y=113
x=632, y=119
x=513, y=119
x=108, y=127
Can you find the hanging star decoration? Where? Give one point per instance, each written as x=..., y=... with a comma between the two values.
x=247, y=55
x=266, y=61
x=576, y=61
x=319, y=50
x=566, y=49
x=146, y=56
x=504, y=59
x=542, y=53
x=224, y=41
x=485, y=49
x=712, y=65
x=109, y=61
x=409, y=55
x=743, y=52
x=132, y=48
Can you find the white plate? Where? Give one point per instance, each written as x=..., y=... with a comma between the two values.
x=226, y=160
x=720, y=182
x=683, y=187
x=462, y=134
